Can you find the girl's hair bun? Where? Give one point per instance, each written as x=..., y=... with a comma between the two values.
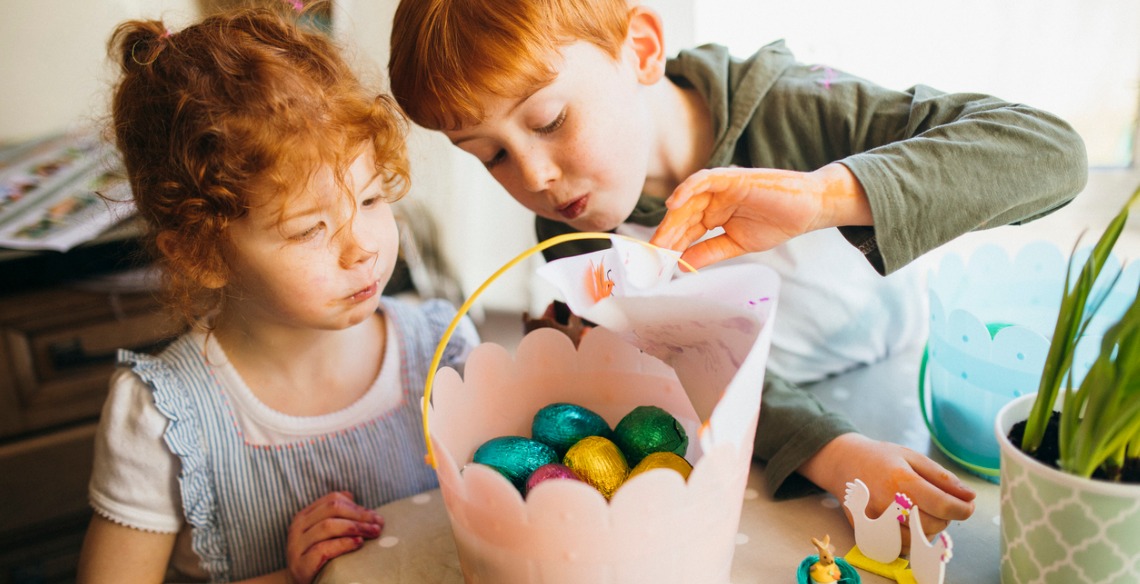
x=139, y=43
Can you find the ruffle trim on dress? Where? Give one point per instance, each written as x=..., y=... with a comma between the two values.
x=182, y=436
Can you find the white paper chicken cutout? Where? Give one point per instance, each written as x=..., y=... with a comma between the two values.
x=928, y=559
x=878, y=539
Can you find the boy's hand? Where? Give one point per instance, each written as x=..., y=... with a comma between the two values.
x=329, y=527
x=758, y=208
x=887, y=469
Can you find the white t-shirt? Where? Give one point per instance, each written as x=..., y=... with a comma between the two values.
x=835, y=311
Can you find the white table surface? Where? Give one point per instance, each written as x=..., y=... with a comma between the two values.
x=774, y=536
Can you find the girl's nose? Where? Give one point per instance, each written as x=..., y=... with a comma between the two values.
x=538, y=170
x=356, y=246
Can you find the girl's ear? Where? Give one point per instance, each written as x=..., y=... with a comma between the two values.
x=647, y=38
x=167, y=243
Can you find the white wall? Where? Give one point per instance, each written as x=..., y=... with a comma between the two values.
x=53, y=59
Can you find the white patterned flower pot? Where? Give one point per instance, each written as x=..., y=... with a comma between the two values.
x=1058, y=528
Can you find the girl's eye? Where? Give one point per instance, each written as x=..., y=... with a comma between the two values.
x=499, y=156
x=370, y=202
x=309, y=233
x=554, y=125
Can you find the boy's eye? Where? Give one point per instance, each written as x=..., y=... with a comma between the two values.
x=554, y=125
x=499, y=156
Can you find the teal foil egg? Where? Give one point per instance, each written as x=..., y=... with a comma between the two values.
x=649, y=429
x=515, y=457
x=562, y=425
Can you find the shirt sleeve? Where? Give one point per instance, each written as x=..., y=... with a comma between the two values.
x=463, y=339
x=972, y=163
x=134, y=480
x=934, y=165
x=793, y=426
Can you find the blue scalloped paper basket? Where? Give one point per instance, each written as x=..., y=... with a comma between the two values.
x=991, y=318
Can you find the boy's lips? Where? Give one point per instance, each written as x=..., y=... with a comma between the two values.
x=573, y=209
x=365, y=293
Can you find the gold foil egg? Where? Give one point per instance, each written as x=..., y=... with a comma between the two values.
x=598, y=461
x=515, y=457
x=662, y=460
x=649, y=429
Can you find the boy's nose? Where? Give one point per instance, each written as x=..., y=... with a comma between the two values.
x=538, y=171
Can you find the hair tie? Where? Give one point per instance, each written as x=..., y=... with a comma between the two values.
x=298, y=5
x=161, y=38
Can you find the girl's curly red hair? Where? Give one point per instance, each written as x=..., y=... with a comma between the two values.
x=244, y=102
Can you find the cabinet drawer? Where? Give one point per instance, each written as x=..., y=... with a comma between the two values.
x=58, y=367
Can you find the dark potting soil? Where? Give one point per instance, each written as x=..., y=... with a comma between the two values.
x=1049, y=452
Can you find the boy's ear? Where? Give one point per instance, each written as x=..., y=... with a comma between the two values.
x=647, y=38
x=167, y=244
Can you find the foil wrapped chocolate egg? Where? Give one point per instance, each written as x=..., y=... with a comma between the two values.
x=667, y=460
x=515, y=457
x=562, y=425
x=550, y=472
x=598, y=461
x=649, y=429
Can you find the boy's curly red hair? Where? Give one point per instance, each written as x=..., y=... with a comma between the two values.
x=244, y=102
x=445, y=54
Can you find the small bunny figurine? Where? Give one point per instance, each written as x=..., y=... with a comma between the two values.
x=824, y=571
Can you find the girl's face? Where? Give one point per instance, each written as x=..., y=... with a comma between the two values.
x=576, y=150
x=314, y=261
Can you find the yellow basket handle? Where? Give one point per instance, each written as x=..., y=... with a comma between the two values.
x=553, y=241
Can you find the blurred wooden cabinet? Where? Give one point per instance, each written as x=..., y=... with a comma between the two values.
x=57, y=350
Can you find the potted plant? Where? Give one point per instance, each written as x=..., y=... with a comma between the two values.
x=1070, y=454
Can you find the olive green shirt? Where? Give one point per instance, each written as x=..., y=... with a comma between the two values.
x=934, y=166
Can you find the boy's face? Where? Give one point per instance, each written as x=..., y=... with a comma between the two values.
x=574, y=151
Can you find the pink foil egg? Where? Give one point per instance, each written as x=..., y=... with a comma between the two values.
x=548, y=472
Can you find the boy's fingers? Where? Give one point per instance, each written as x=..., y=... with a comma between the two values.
x=710, y=251
x=940, y=477
x=677, y=232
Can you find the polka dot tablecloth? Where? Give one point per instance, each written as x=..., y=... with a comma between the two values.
x=773, y=537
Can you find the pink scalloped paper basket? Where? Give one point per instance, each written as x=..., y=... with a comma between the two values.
x=657, y=528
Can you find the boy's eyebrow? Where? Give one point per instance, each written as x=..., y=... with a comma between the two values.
x=510, y=110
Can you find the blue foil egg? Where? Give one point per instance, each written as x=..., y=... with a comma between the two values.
x=515, y=457
x=562, y=425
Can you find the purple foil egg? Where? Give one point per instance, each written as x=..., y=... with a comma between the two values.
x=548, y=472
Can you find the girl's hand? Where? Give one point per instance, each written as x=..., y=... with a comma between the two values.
x=759, y=208
x=887, y=469
x=329, y=527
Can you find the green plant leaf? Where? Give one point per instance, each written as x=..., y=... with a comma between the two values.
x=1071, y=322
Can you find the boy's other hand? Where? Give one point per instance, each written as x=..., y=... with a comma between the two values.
x=889, y=468
x=329, y=527
x=758, y=208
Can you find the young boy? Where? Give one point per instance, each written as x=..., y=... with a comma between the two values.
x=574, y=109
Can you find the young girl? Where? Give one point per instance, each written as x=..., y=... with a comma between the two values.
x=254, y=447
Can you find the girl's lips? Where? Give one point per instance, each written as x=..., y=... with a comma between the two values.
x=574, y=208
x=366, y=293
